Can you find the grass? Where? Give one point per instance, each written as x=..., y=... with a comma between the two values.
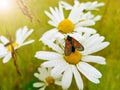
x=108, y=26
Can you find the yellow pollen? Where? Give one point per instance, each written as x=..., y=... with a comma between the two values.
x=9, y=47
x=66, y=26
x=50, y=80
x=74, y=57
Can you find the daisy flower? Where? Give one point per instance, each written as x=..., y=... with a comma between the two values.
x=88, y=5
x=76, y=63
x=76, y=21
x=45, y=78
x=6, y=45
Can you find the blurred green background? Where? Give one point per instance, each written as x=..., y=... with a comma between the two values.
x=108, y=26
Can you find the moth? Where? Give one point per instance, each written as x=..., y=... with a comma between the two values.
x=71, y=44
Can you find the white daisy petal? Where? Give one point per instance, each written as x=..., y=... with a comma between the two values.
x=18, y=36
x=76, y=2
x=53, y=46
x=92, y=79
x=86, y=36
x=4, y=40
x=43, y=71
x=95, y=39
x=38, y=84
x=91, y=73
x=86, y=23
x=67, y=78
x=78, y=78
x=49, y=15
x=36, y=75
x=24, y=31
x=28, y=42
x=48, y=55
x=27, y=34
x=85, y=29
x=93, y=5
x=39, y=76
x=87, y=6
x=97, y=18
x=57, y=70
x=3, y=51
x=96, y=48
x=92, y=38
x=50, y=63
x=56, y=16
x=94, y=59
x=75, y=14
x=58, y=83
x=50, y=35
x=2, y=55
x=61, y=12
x=88, y=15
x=90, y=30
x=22, y=34
x=66, y=5
x=52, y=23
x=42, y=88
x=7, y=58
x=49, y=71
x=52, y=19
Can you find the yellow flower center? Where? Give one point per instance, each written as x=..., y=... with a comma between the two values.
x=66, y=26
x=74, y=57
x=9, y=47
x=50, y=80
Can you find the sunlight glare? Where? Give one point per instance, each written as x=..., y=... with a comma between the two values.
x=5, y=5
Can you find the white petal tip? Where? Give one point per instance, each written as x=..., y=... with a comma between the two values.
x=5, y=61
